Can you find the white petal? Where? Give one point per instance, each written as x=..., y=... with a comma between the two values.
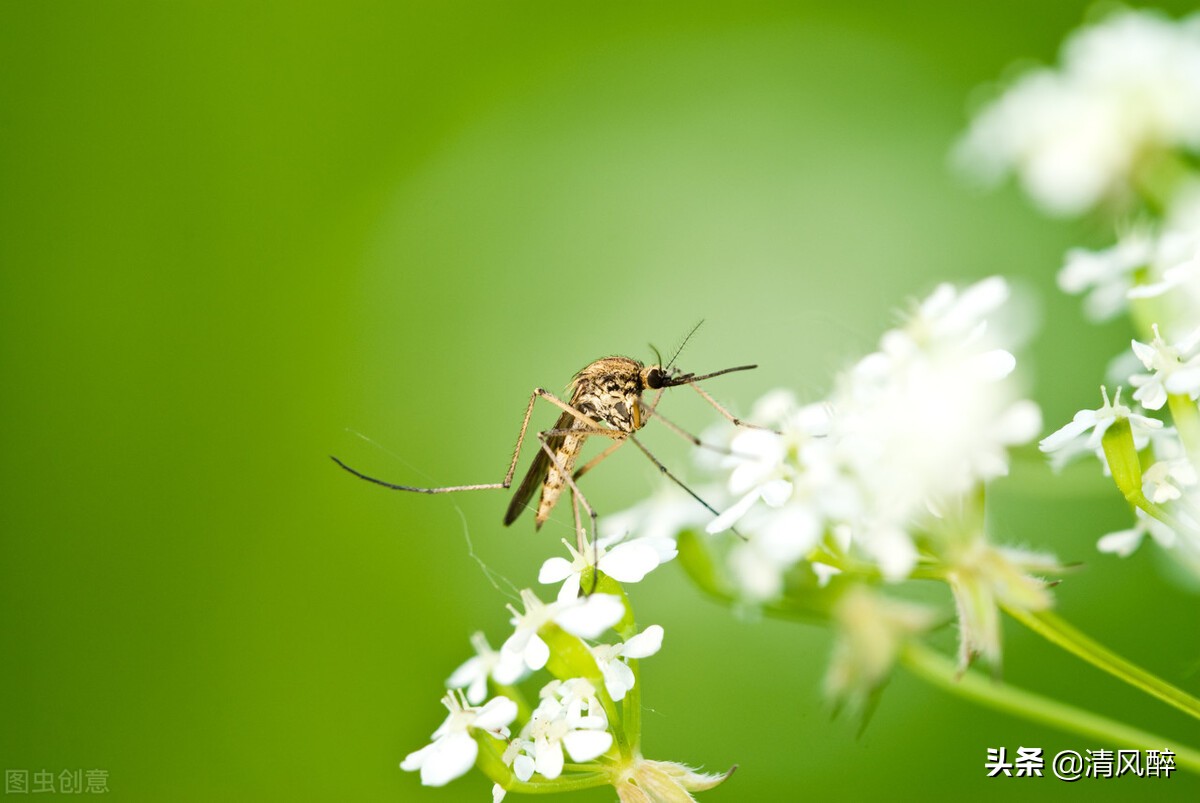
x=1060, y=438
x=644, y=644
x=731, y=515
x=629, y=562
x=548, y=757
x=586, y=745
x=466, y=674
x=1184, y=380
x=498, y=713
x=477, y=691
x=1122, y=542
x=776, y=492
x=1021, y=422
x=1145, y=423
x=516, y=642
x=451, y=757
x=824, y=572
x=1144, y=352
x=415, y=759
x=555, y=570
x=510, y=668
x=591, y=616
x=1152, y=395
x=570, y=588
x=993, y=365
x=523, y=767
x=894, y=551
x=618, y=679
x=498, y=793
x=665, y=547
x=537, y=652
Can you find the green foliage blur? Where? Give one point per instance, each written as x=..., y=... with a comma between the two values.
x=237, y=238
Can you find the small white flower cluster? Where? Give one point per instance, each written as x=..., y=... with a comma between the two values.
x=570, y=719
x=1119, y=120
x=1167, y=496
x=881, y=481
x=860, y=476
x=1126, y=90
x=1156, y=268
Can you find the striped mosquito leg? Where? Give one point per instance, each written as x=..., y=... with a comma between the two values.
x=566, y=474
x=687, y=436
x=737, y=422
x=512, y=465
x=680, y=483
x=578, y=524
x=595, y=461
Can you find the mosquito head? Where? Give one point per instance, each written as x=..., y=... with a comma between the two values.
x=676, y=378
x=653, y=377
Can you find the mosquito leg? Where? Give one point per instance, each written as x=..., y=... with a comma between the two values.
x=737, y=422
x=679, y=482
x=566, y=408
x=570, y=481
x=445, y=490
x=579, y=472
x=689, y=437
x=512, y=465
x=578, y=524
x=599, y=432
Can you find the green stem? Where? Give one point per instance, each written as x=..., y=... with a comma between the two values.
x=632, y=710
x=1139, y=500
x=1057, y=631
x=1187, y=421
x=942, y=672
x=491, y=762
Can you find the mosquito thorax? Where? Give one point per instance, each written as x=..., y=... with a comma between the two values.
x=609, y=390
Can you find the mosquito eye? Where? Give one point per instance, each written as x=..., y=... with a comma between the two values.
x=654, y=379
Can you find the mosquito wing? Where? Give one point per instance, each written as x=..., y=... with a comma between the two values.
x=537, y=470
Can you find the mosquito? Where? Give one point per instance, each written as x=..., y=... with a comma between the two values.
x=605, y=402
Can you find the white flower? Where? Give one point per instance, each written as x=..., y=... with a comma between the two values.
x=611, y=658
x=824, y=573
x=948, y=316
x=1127, y=87
x=586, y=617
x=453, y=749
x=568, y=717
x=1098, y=421
x=1173, y=372
x=660, y=518
x=871, y=631
x=472, y=675
x=1124, y=543
x=627, y=562
x=760, y=471
x=1106, y=276
x=916, y=424
x=1164, y=481
x=764, y=462
x=890, y=547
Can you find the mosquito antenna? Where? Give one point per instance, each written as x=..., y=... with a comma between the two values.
x=657, y=355
x=689, y=378
x=667, y=367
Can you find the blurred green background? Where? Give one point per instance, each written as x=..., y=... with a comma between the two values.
x=236, y=238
